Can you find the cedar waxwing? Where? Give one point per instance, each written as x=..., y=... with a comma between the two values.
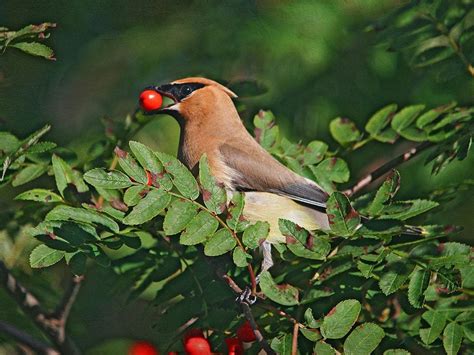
x=210, y=124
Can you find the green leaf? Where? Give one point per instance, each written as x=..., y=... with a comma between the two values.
x=344, y=131
x=35, y=48
x=44, y=256
x=343, y=218
x=213, y=194
x=286, y=295
x=340, y=319
x=107, y=179
x=404, y=210
x=394, y=277
x=331, y=170
x=134, y=194
x=385, y=194
x=255, y=234
x=220, y=243
x=396, y=352
x=62, y=173
x=179, y=214
x=309, y=318
x=311, y=334
x=302, y=243
x=130, y=166
x=240, y=257
x=364, y=339
x=67, y=213
x=406, y=117
x=29, y=173
x=452, y=338
x=235, y=219
x=148, y=159
x=40, y=195
x=180, y=175
x=314, y=152
x=322, y=348
x=8, y=142
x=41, y=147
x=77, y=262
x=148, y=208
x=377, y=123
x=437, y=321
x=419, y=281
x=430, y=116
x=199, y=229
x=266, y=133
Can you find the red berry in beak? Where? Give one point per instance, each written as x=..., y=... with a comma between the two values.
x=150, y=100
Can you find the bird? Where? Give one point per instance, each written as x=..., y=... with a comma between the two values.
x=210, y=124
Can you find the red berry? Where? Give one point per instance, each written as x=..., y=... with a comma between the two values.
x=150, y=100
x=193, y=333
x=234, y=345
x=245, y=333
x=142, y=348
x=197, y=346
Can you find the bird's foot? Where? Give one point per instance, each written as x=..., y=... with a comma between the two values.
x=246, y=297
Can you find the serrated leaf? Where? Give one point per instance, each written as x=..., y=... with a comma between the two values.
x=379, y=120
x=130, y=166
x=213, y=194
x=437, y=321
x=403, y=210
x=431, y=115
x=36, y=49
x=148, y=208
x=343, y=218
x=405, y=117
x=179, y=214
x=323, y=348
x=44, y=256
x=180, y=175
x=452, y=338
x=62, y=173
x=384, y=194
x=134, y=194
x=314, y=152
x=394, y=277
x=235, y=219
x=68, y=213
x=199, y=229
x=40, y=195
x=255, y=234
x=419, y=281
x=286, y=295
x=344, y=131
x=311, y=334
x=302, y=243
x=149, y=161
x=29, y=173
x=331, y=170
x=41, y=147
x=240, y=257
x=220, y=243
x=309, y=318
x=340, y=319
x=364, y=339
x=107, y=179
x=8, y=142
x=77, y=262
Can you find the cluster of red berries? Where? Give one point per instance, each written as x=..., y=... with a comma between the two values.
x=196, y=344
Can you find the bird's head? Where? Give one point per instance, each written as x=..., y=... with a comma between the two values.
x=194, y=98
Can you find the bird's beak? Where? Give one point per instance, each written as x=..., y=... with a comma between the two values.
x=166, y=90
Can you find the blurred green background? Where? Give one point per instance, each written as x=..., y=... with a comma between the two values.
x=314, y=57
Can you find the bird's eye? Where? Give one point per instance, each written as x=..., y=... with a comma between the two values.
x=186, y=90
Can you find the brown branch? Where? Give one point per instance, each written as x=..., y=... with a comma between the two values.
x=51, y=326
x=258, y=334
x=27, y=340
x=294, y=342
x=385, y=168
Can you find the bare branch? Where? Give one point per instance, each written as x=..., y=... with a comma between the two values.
x=26, y=339
x=249, y=316
x=385, y=168
x=294, y=342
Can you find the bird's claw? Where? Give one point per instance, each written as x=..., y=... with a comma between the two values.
x=246, y=297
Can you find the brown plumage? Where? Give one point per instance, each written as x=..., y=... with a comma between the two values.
x=210, y=124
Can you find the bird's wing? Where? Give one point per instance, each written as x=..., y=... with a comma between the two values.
x=254, y=169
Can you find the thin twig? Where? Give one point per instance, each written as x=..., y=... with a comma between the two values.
x=385, y=168
x=258, y=334
x=52, y=327
x=26, y=339
x=294, y=342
